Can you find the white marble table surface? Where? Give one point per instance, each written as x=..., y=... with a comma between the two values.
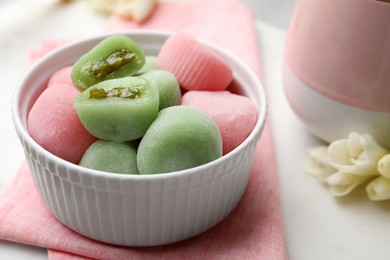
x=317, y=226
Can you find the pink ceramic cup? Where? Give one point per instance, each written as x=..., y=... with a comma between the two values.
x=338, y=56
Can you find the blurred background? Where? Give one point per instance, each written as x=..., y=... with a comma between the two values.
x=275, y=12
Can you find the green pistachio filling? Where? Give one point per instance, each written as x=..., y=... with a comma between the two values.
x=115, y=61
x=119, y=92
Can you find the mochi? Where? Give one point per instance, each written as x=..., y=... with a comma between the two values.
x=150, y=64
x=194, y=65
x=54, y=124
x=234, y=114
x=114, y=57
x=180, y=138
x=168, y=87
x=112, y=157
x=119, y=109
x=61, y=76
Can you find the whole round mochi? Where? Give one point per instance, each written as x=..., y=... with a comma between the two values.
x=181, y=137
x=235, y=115
x=168, y=87
x=110, y=156
x=54, y=124
x=194, y=65
x=150, y=64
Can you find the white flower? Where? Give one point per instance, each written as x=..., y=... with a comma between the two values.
x=319, y=166
x=346, y=163
x=137, y=10
x=341, y=184
x=359, y=155
x=379, y=189
x=384, y=166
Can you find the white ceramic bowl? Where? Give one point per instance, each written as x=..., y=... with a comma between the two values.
x=136, y=210
x=329, y=119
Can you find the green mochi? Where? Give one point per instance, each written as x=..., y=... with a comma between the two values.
x=120, y=109
x=114, y=57
x=168, y=87
x=113, y=157
x=150, y=64
x=180, y=138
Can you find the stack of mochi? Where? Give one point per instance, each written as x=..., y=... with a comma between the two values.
x=119, y=111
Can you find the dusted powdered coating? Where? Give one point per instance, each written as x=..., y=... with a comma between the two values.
x=120, y=109
x=235, y=115
x=54, y=124
x=114, y=57
x=181, y=137
x=110, y=156
x=194, y=65
x=168, y=87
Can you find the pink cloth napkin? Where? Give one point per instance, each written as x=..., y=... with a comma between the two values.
x=254, y=230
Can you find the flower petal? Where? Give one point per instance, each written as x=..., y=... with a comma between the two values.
x=379, y=189
x=319, y=166
x=384, y=166
x=341, y=184
x=319, y=154
x=321, y=172
x=372, y=150
x=137, y=10
x=338, y=153
x=358, y=155
x=354, y=144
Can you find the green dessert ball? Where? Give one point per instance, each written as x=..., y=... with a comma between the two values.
x=181, y=137
x=150, y=64
x=120, y=109
x=113, y=157
x=114, y=57
x=168, y=87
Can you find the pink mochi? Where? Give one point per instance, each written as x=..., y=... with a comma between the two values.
x=235, y=115
x=61, y=76
x=194, y=65
x=54, y=124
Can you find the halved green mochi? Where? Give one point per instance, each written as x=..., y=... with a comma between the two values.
x=118, y=110
x=113, y=157
x=168, y=87
x=114, y=57
x=181, y=137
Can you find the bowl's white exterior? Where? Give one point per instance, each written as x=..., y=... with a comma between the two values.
x=329, y=119
x=136, y=210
